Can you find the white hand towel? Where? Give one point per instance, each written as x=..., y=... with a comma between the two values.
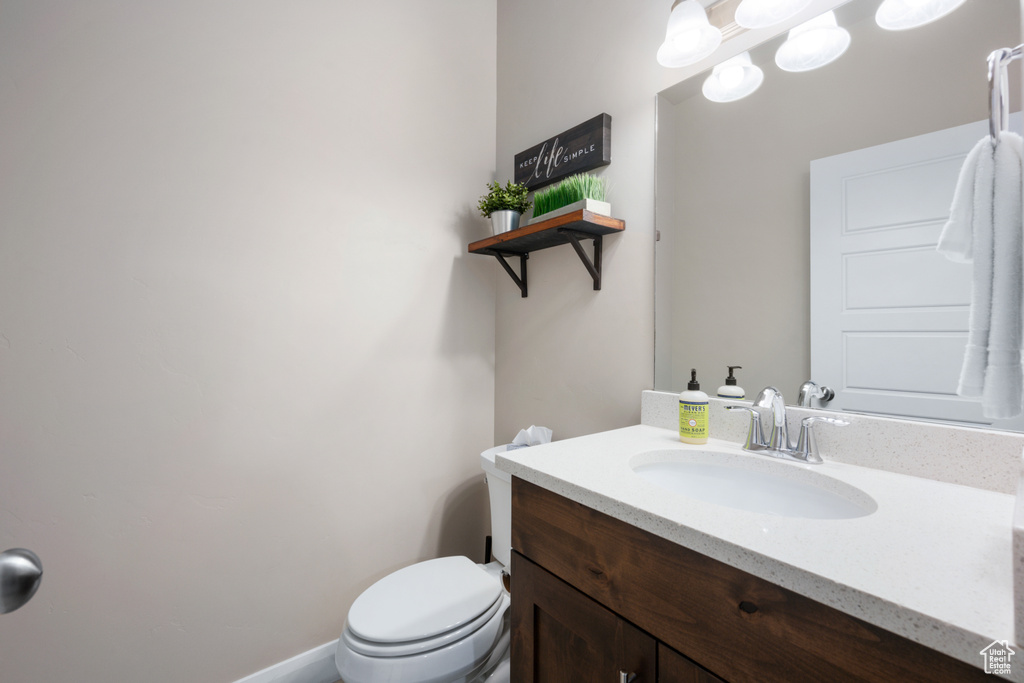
x=957, y=238
x=1003, y=396
x=985, y=228
x=970, y=231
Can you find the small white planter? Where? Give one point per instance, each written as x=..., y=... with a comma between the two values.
x=504, y=221
x=592, y=205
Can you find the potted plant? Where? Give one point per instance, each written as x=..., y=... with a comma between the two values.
x=580, y=191
x=504, y=205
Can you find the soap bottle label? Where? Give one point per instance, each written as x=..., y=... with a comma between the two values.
x=693, y=419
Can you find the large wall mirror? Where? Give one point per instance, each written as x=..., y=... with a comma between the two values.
x=733, y=263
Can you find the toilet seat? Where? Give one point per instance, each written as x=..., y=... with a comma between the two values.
x=423, y=601
x=461, y=660
x=436, y=601
x=375, y=649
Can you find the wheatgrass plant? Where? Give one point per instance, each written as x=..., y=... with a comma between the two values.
x=572, y=189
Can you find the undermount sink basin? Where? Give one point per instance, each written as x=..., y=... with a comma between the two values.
x=753, y=483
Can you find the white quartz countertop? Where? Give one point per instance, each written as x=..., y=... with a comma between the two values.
x=932, y=563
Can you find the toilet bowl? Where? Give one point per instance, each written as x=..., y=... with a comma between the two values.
x=440, y=621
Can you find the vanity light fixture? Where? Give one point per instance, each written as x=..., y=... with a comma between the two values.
x=690, y=37
x=764, y=13
x=899, y=15
x=813, y=44
x=733, y=79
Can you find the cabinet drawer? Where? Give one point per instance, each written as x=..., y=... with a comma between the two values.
x=732, y=623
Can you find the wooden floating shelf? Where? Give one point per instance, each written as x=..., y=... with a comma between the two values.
x=545, y=233
x=567, y=229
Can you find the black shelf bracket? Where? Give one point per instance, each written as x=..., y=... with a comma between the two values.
x=570, y=228
x=593, y=267
x=520, y=279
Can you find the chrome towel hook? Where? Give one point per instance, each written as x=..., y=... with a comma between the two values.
x=999, y=103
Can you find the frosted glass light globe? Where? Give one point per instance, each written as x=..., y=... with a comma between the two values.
x=900, y=15
x=690, y=37
x=813, y=44
x=731, y=76
x=733, y=79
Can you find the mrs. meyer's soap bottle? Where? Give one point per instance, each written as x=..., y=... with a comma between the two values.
x=693, y=412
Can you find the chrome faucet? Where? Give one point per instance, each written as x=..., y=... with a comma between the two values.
x=778, y=438
x=769, y=404
x=810, y=390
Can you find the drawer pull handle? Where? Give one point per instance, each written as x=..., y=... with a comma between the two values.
x=626, y=678
x=748, y=607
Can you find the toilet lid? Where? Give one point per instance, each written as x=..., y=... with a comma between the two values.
x=423, y=600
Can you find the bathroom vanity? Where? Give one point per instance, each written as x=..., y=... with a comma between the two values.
x=614, y=577
x=605, y=596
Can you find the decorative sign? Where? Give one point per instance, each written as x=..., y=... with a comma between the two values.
x=581, y=148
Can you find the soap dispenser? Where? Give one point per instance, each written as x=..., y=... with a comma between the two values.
x=693, y=413
x=729, y=389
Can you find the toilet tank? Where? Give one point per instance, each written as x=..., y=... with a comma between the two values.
x=499, y=490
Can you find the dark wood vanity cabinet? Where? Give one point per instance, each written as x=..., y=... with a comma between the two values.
x=562, y=635
x=594, y=598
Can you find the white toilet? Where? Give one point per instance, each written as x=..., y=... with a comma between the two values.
x=439, y=621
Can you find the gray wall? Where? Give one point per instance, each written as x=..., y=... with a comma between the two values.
x=246, y=365
x=568, y=357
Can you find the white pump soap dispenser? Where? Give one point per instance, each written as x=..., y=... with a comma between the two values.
x=730, y=389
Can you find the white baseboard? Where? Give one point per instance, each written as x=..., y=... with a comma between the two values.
x=314, y=666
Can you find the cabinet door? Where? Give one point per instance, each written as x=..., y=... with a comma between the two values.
x=559, y=635
x=675, y=668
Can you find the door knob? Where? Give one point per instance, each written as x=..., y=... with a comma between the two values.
x=20, y=574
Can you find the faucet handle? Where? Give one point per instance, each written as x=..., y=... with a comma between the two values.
x=809, y=421
x=755, y=436
x=807, y=445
